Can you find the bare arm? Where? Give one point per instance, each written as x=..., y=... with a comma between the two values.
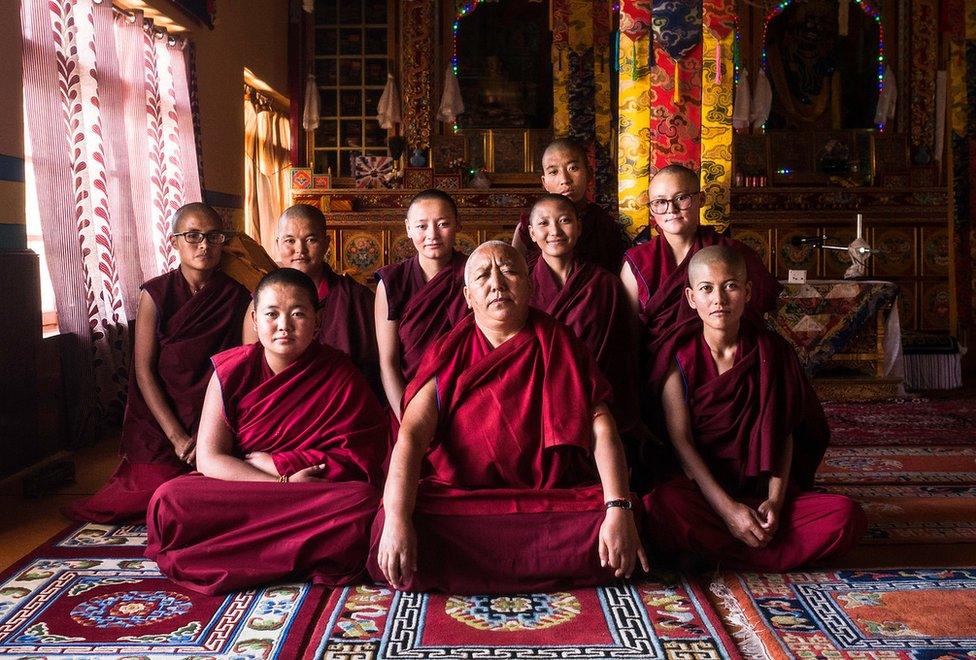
x=144, y=356
x=388, y=344
x=620, y=548
x=778, y=484
x=742, y=521
x=215, y=448
x=630, y=285
x=248, y=333
x=397, y=552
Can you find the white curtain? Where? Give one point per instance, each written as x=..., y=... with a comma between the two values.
x=112, y=154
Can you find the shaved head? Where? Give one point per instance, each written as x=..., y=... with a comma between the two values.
x=506, y=249
x=195, y=208
x=306, y=212
x=687, y=176
x=717, y=254
x=568, y=145
x=561, y=201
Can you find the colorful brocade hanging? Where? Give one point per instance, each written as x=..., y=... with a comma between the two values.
x=581, y=85
x=676, y=84
x=633, y=136
x=925, y=54
x=675, y=104
x=718, y=38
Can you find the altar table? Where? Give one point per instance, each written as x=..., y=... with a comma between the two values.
x=842, y=323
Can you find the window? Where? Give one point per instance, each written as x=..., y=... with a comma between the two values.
x=351, y=59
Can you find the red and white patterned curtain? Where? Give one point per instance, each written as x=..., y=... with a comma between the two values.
x=111, y=151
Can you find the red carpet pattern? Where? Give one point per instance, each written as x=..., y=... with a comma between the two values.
x=91, y=594
x=893, y=465
x=851, y=614
x=903, y=423
x=665, y=617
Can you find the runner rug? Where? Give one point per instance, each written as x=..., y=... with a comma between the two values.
x=893, y=614
x=916, y=513
x=89, y=593
x=898, y=465
x=665, y=617
x=901, y=423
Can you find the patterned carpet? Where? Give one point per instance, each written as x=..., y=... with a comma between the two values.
x=903, y=423
x=663, y=617
x=911, y=614
x=88, y=593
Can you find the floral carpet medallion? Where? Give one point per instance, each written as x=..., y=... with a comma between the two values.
x=664, y=618
x=104, y=608
x=853, y=613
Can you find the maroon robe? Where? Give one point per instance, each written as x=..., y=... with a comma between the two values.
x=190, y=329
x=423, y=310
x=664, y=313
x=215, y=536
x=593, y=304
x=602, y=240
x=661, y=281
x=347, y=322
x=740, y=421
x=509, y=498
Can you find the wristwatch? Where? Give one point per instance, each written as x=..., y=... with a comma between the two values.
x=620, y=504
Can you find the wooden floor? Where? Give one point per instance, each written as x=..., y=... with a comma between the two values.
x=26, y=523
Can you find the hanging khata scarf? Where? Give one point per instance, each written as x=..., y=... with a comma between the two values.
x=677, y=26
x=310, y=116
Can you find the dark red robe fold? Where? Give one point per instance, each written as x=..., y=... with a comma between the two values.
x=347, y=322
x=216, y=536
x=593, y=304
x=509, y=498
x=740, y=421
x=424, y=310
x=602, y=239
x=664, y=312
x=661, y=281
x=190, y=329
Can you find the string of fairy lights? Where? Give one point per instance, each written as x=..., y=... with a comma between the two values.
x=463, y=10
x=865, y=6
x=469, y=6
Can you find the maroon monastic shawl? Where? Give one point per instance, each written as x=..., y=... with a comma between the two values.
x=216, y=536
x=741, y=418
x=601, y=242
x=190, y=329
x=347, y=322
x=661, y=282
x=517, y=416
x=509, y=499
x=424, y=310
x=663, y=309
x=318, y=410
x=593, y=304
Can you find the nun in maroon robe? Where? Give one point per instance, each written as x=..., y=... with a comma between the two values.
x=602, y=241
x=749, y=432
x=589, y=301
x=738, y=421
x=424, y=311
x=190, y=329
x=346, y=323
x=509, y=498
x=317, y=423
